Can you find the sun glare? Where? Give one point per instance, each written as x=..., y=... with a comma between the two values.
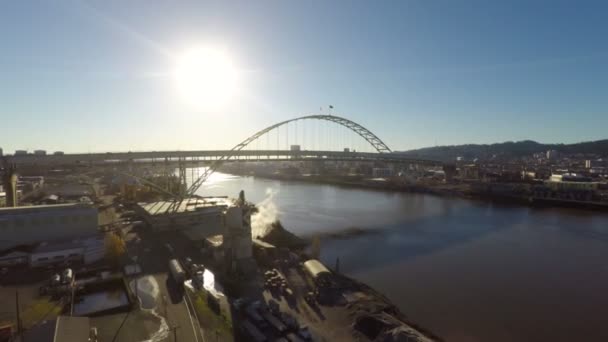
x=206, y=77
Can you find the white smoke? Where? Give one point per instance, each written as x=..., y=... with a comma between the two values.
x=266, y=215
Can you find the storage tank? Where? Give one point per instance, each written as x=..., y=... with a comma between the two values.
x=177, y=272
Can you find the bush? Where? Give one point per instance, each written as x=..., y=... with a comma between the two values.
x=115, y=247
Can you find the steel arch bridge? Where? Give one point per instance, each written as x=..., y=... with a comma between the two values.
x=363, y=132
x=216, y=158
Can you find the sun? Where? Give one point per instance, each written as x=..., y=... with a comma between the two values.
x=206, y=77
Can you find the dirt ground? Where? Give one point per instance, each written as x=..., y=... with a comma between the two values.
x=33, y=308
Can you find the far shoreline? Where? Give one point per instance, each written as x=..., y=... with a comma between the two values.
x=443, y=190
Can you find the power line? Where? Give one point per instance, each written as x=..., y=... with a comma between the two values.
x=120, y=327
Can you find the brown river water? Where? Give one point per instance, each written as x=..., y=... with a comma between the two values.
x=469, y=271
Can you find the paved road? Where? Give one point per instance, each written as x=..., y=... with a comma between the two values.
x=176, y=311
x=153, y=256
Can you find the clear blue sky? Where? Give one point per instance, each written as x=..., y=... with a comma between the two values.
x=92, y=76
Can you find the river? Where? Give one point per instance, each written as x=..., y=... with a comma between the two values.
x=467, y=270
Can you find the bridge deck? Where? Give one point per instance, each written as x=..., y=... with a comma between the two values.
x=212, y=155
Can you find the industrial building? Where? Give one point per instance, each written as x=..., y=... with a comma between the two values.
x=219, y=225
x=264, y=252
x=571, y=182
x=382, y=172
x=202, y=213
x=14, y=257
x=82, y=250
x=30, y=225
x=53, y=253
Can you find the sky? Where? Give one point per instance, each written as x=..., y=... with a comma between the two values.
x=94, y=76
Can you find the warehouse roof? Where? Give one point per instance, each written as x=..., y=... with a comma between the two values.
x=193, y=204
x=37, y=208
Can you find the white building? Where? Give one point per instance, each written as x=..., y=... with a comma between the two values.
x=34, y=224
x=571, y=182
x=83, y=250
x=219, y=224
x=14, y=258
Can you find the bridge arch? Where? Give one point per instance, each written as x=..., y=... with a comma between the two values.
x=363, y=132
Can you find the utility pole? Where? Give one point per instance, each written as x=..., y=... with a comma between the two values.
x=18, y=312
x=175, y=332
x=72, y=298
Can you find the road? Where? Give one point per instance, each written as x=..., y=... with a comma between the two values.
x=151, y=253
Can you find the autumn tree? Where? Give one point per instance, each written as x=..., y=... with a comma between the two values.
x=115, y=247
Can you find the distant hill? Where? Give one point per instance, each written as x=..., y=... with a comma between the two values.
x=507, y=149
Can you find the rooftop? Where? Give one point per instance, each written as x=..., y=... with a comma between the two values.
x=315, y=267
x=59, y=245
x=192, y=204
x=63, y=329
x=215, y=241
x=263, y=244
x=38, y=208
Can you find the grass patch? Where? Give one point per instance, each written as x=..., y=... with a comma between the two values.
x=40, y=309
x=209, y=319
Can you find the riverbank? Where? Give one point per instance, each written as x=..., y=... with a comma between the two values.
x=467, y=190
x=370, y=313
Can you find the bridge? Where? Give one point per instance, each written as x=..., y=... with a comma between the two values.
x=249, y=150
x=208, y=156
